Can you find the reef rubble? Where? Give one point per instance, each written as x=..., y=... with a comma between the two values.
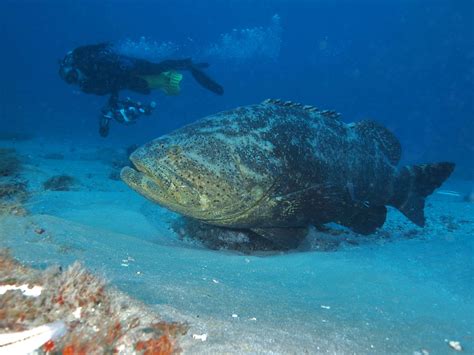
x=72, y=311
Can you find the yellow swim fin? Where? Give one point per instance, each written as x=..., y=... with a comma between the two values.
x=167, y=81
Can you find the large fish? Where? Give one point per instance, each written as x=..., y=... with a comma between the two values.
x=277, y=167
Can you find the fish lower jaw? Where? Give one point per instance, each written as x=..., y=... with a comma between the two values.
x=154, y=189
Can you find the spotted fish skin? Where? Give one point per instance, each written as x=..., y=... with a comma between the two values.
x=278, y=165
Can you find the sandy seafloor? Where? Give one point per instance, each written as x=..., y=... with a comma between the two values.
x=402, y=290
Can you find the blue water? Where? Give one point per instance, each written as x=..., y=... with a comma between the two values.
x=406, y=64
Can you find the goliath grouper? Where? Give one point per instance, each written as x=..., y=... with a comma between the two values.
x=277, y=167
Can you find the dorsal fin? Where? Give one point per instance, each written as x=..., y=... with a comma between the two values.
x=273, y=101
x=308, y=108
x=330, y=114
x=386, y=139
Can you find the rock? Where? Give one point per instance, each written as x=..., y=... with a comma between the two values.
x=59, y=183
x=9, y=162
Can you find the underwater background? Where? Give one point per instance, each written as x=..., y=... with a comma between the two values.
x=406, y=64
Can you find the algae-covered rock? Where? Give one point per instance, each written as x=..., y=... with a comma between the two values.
x=59, y=183
x=10, y=164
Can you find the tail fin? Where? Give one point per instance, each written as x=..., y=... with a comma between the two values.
x=414, y=184
x=204, y=80
x=167, y=81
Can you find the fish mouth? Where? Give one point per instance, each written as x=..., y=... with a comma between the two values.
x=158, y=188
x=161, y=174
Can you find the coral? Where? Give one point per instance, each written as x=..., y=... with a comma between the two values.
x=16, y=209
x=99, y=319
x=161, y=346
x=9, y=162
x=174, y=329
x=13, y=196
x=59, y=183
x=27, y=341
x=16, y=190
x=13, y=193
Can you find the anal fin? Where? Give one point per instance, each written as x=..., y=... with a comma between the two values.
x=366, y=220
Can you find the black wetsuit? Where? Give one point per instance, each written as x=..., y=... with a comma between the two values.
x=98, y=69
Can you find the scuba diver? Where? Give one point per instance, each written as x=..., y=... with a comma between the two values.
x=98, y=69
